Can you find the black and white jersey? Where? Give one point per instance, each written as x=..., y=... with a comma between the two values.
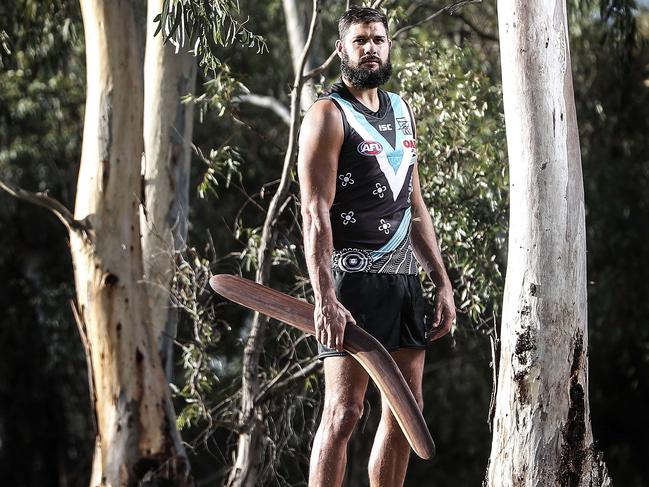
x=371, y=214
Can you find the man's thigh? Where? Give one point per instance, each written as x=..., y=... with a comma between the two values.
x=345, y=380
x=411, y=363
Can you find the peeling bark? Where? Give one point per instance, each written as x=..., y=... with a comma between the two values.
x=137, y=439
x=542, y=432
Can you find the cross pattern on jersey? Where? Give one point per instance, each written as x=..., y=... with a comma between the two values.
x=370, y=214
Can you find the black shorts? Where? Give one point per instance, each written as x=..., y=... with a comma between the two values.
x=390, y=307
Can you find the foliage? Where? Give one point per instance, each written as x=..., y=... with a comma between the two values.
x=613, y=123
x=190, y=293
x=41, y=94
x=223, y=161
x=204, y=26
x=44, y=400
x=220, y=92
x=461, y=149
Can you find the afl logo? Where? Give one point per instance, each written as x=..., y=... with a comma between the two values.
x=369, y=148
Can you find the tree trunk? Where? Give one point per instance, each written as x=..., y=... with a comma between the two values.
x=297, y=24
x=137, y=439
x=168, y=126
x=542, y=430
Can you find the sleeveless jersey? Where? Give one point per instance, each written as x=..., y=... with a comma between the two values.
x=371, y=213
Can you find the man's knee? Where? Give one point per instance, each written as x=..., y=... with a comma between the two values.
x=340, y=418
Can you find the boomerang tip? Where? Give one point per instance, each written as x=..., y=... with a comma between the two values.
x=219, y=281
x=428, y=451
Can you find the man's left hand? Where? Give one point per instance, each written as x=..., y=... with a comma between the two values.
x=444, y=313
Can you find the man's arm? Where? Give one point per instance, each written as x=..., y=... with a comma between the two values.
x=321, y=137
x=424, y=243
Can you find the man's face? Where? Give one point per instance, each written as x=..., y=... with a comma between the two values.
x=365, y=55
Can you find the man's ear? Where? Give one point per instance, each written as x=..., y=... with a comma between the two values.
x=339, y=48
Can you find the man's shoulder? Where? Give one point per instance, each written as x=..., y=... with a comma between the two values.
x=323, y=116
x=323, y=107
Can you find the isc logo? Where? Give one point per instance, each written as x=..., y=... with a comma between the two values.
x=370, y=148
x=410, y=143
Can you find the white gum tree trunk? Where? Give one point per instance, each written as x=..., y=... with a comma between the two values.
x=168, y=126
x=542, y=431
x=136, y=433
x=297, y=23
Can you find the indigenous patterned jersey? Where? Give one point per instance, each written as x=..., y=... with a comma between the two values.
x=370, y=215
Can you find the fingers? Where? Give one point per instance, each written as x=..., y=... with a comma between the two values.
x=444, y=317
x=340, y=338
x=322, y=335
x=447, y=322
x=330, y=335
x=335, y=340
x=437, y=316
x=338, y=345
x=431, y=336
x=437, y=333
x=331, y=342
x=348, y=317
x=330, y=322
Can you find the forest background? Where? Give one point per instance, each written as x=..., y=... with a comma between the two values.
x=449, y=69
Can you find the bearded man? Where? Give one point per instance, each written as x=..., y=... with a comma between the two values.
x=365, y=223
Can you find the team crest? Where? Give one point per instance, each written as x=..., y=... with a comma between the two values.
x=370, y=148
x=404, y=125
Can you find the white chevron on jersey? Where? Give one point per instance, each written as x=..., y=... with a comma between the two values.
x=395, y=176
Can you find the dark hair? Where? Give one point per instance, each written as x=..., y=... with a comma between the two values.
x=360, y=15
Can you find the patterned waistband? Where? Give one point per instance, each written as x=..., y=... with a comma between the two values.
x=400, y=261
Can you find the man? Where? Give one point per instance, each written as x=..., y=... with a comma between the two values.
x=363, y=217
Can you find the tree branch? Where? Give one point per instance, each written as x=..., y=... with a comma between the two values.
x=275, y=386
x=316, y=71
x=451, y=8
x=269, y=102
x=47, y=202
x=482, y=34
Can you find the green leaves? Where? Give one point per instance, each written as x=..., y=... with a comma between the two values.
x=204, y=26
x=219, y=93
x=222, y=164
x=462, y=165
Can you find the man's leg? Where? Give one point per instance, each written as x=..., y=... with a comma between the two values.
x=345, y=385
x=390, y=452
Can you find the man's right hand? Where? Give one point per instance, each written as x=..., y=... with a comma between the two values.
x=330, y=318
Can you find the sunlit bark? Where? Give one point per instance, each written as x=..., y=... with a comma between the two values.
x=542, y=430
x=136, y=433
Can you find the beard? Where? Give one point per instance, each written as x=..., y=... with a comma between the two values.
x=361, y=77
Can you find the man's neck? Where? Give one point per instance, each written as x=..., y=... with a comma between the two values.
x=367, y=96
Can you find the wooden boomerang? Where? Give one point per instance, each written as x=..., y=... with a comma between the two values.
x=378, y=363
